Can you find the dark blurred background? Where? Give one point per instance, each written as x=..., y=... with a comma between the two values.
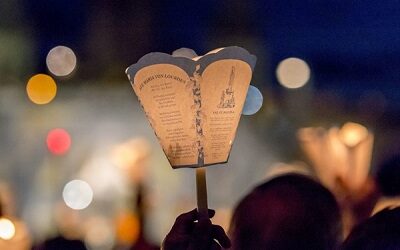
x=351, y=47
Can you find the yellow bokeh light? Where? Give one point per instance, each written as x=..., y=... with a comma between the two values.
x=41, y=89
x=7, y=229
x=293, y=73
x=132, y=157
x=352, y=134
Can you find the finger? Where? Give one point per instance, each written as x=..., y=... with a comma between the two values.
x=219, y=234
x=215, y=246
x=211, y=213
x=189, y=216
x=184, y=222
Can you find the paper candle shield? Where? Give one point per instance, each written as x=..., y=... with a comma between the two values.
x=194, y=105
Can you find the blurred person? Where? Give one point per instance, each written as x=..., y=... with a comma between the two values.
x=387, y=178
x=357, y=205
x=379, y=191
x=291, y=211
x=381, y=231
x=132, y=157
x=68, y=236
x=142, y=243
x=288, y=212
x=61, y=243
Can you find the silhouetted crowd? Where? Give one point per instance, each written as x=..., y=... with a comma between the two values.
x=295, y=211
x=288, y=211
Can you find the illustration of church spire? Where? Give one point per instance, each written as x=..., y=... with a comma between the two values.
x=228, y=95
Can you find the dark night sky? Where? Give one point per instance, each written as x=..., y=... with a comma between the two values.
x=351, y=46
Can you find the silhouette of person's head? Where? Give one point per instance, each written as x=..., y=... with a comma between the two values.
x=61, y=243
x=381, y=231
x=287, y=212
x=388, y=176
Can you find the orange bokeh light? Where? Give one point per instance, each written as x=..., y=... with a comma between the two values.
x=41, y=89
x=127, y=228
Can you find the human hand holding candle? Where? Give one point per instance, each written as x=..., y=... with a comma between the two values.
x=191, y=231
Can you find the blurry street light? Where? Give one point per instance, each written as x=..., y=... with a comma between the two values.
x=293, y=73
x=7, y=229
x=61, y=61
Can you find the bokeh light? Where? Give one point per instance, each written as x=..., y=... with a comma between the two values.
x=58, y=141
x=41, y=89
x=7, y=229
x=254, y=101
x=61, y=61
x=77, y=194
x=132, y=158
x=184, y=52
x=293, y=73
x=127, y=228
x=352, y=134
x=99, y=233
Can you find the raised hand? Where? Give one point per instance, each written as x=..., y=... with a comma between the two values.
x=194, y=232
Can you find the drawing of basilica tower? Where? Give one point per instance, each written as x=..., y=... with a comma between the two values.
x=228, y=95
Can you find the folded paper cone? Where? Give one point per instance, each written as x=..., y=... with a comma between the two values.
x=194, y=106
